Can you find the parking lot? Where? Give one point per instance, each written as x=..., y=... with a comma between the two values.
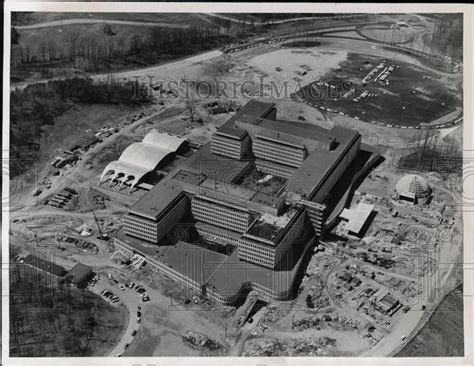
x=132, y=296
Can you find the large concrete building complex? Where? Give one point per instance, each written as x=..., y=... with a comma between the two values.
x=241, y=212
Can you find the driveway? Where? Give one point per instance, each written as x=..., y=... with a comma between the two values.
x=131, y=299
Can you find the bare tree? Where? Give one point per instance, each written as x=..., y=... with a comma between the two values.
x=72, y=38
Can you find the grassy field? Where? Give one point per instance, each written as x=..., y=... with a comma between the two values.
x=443, y=335
x=413, y=96
x=48, y=319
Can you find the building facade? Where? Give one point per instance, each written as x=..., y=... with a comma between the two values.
x=270, y=228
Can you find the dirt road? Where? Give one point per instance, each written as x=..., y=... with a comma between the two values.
x=60, y=23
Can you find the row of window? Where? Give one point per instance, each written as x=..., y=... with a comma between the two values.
x=257, y=260
x=219, y=215
x=142, y=235
x=179, y=277
x=216, y=233
x=279, y=152
x=271, y=168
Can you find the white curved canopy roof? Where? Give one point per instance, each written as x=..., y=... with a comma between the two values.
x=143, y=157
x=163, y=140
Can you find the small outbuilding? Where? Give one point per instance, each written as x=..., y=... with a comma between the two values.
x=79, y=275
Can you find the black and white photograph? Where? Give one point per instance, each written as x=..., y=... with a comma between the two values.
x=238, y=183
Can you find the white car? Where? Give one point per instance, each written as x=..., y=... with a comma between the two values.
x=121, y=287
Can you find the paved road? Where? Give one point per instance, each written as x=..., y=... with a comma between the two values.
x=60, y=23
x=282, y=21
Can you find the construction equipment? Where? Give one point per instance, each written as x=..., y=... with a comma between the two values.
x=101, y=235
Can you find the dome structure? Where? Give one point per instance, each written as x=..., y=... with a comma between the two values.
x=413, y=187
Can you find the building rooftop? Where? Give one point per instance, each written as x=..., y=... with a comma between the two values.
x=295, y=133
x=215, y=166
x=224, y=274
x=79, y=273
x=192, y=260
x=264, y=231
x=154, y=203
x=388, y=300
x=317, y=166
x=253, y=109
x=357, y=217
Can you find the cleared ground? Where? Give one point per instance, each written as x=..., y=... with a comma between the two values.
x=413, y=96
x=160, y=333
x=293, y=68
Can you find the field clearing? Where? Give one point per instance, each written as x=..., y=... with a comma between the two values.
x=296, y=67
x=74, y=123
x=393, y=34
x=413, y=96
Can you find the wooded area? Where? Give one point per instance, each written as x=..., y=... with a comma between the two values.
x=85, y=51
x=39, y=104
x=51, y=318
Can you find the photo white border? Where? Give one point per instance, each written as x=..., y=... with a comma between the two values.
x=91, y=7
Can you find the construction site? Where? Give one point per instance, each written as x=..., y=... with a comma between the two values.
x=319, y=222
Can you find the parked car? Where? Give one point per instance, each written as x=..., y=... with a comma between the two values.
x=134, y=333
x=122, y=287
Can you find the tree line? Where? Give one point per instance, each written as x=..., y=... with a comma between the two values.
x=447, y=38
x=89, y=52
